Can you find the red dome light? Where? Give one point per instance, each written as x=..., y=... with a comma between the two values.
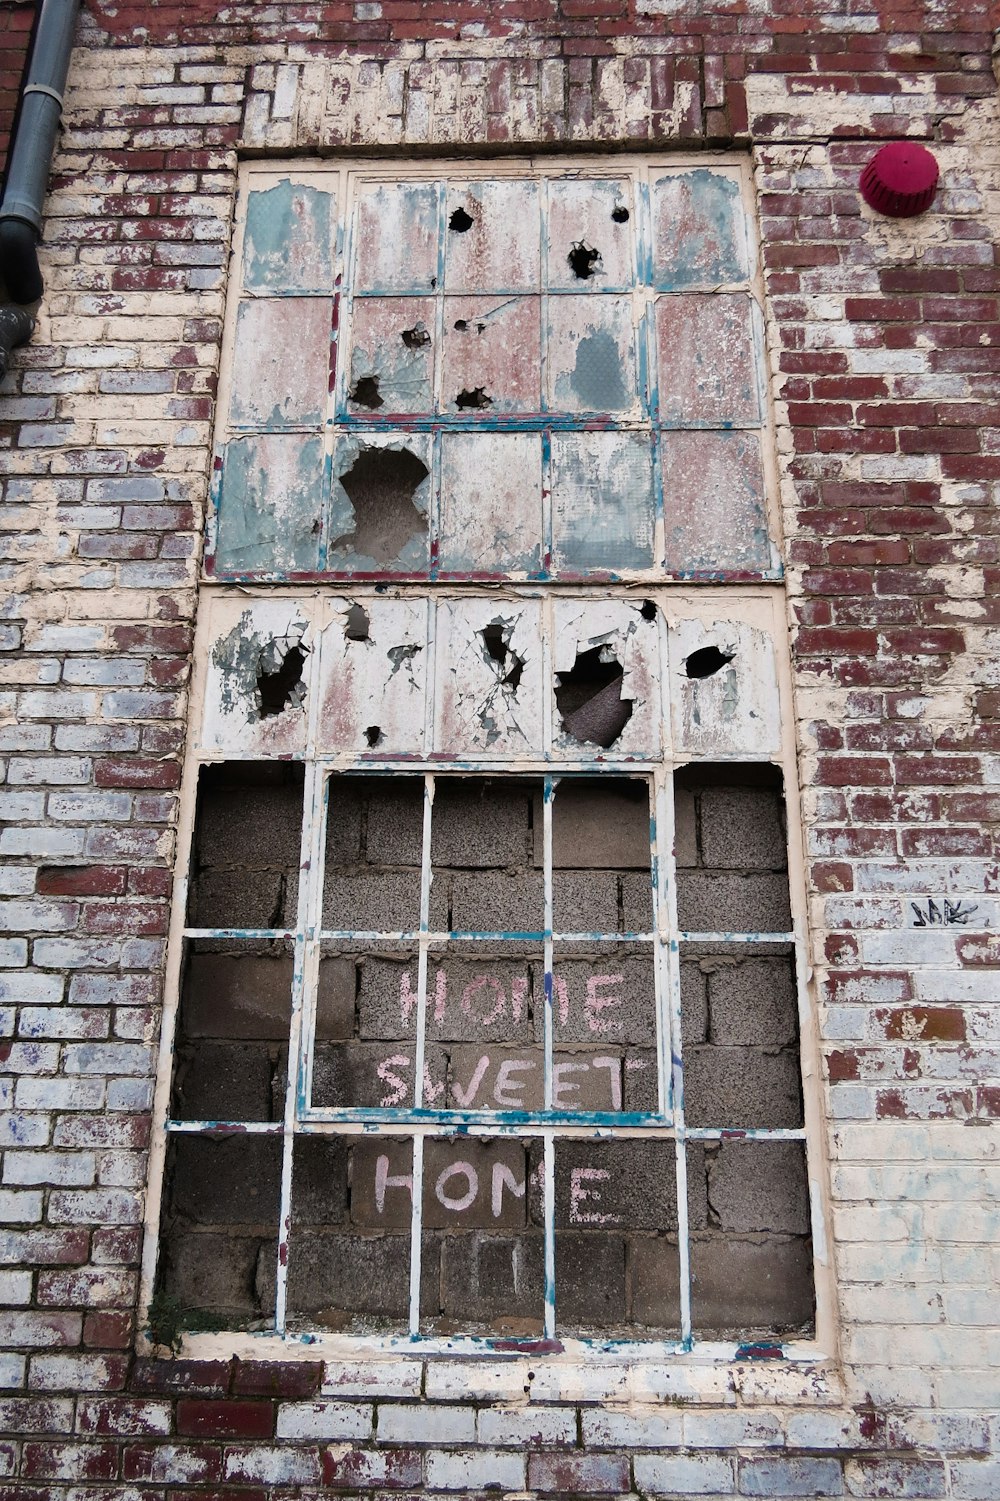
x=900, y=180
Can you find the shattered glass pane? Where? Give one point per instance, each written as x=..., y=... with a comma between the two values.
x=378, y=507
x=392, y=353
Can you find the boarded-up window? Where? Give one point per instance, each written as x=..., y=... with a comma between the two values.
x=488, y=994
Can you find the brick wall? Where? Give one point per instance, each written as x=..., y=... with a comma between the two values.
x=883, y=341
x=16, y=20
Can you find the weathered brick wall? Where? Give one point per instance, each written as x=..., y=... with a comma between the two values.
x=16, y=18
x=883, y=338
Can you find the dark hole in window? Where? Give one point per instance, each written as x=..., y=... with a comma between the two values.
x=707, y=661
x=584, y=260
x=380, y=486
x=589, y=698
x=620, y=213
x=460, y=221
x=648, y=611
x=365, y=393
x=507, y=664
x=476, y=398
x=416, y=337
x=373, y=734
x=279, y=677
x=356, y=624
x=463, y=325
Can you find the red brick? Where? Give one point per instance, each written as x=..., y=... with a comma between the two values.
x=203, y=1418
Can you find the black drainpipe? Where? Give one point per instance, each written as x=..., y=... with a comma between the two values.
x=28, y=170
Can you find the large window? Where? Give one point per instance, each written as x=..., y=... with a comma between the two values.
x=486, y=1001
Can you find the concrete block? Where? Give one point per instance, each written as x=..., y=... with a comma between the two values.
x=382, y=901
x=335, y=992
x=243, y=897
x=497, y=902
x=334, y=1276
x=497, y=1281
x=249, y=815
x=479, y=1000
x=597, y=824
x=237, y=996
x=641, y=1089
x=319, y=1180
x=752, y=1001
x=381, y=1183
x=743, y=1286
x=374, y=1075
x=742, y=828
x=225, y=1081
x=655, y=1279
x=732, y=902
x=217, y=1272
x=498, y=1078
x=590, y=1281
x=636, y=895
x=760, y=1185
x=394, y=827
x=685, y=826
x=610, y=998
x=472, y=1183
x=616, y=1184
x=233, y=1180
x=742, y=1087
x=344, y=809
x=694, y=1002
x=585, y=902
x=481, y=823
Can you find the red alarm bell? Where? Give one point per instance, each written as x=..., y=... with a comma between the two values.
x=900, y=180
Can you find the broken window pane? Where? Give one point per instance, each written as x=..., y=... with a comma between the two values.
x=616, y=1238
x=492, y=354
x=589, y=235
x=751, y=1258
x=490, y=676
x=732, y=858
x=373, y=671
x=392, y=356
x=378, y=507
x=349, y=1245
x=490, y=1252
x=245, y=860
x=219, y=1241
x=492, y=239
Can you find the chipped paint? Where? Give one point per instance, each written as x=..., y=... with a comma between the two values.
x=281, y=363
x=270, y=516
x=289, y=239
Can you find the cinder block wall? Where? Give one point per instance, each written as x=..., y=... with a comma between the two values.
x=883, y=339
